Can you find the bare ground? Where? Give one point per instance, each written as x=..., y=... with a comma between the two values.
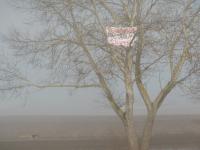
x=94, y=133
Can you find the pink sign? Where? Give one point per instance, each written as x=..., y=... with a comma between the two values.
x=121, y=36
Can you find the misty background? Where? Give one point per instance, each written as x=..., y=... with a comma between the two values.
x=59, y=101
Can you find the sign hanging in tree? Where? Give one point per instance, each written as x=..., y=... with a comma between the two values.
x=121, y=36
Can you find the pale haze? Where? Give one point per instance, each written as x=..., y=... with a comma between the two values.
x=68, y=101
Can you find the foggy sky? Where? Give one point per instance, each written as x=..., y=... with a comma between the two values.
x=64, y=102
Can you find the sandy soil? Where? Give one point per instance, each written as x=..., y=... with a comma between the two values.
x=94, y=133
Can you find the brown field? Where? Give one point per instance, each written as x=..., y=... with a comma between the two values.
x=94, y=133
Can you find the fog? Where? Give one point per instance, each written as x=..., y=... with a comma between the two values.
x=67, y=101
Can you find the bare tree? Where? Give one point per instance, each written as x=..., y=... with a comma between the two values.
x=74, y=47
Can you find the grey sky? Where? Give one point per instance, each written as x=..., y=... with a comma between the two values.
x=79, y=102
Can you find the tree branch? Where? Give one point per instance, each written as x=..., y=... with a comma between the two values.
x=138, y=74
x=97, y=71
x=51, y=86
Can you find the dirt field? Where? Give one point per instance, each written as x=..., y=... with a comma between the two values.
x=94, y=133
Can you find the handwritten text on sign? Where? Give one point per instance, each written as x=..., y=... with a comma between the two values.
x=121, y=36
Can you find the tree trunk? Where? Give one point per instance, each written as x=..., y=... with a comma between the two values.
x=132, y=137
x=147, y=133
